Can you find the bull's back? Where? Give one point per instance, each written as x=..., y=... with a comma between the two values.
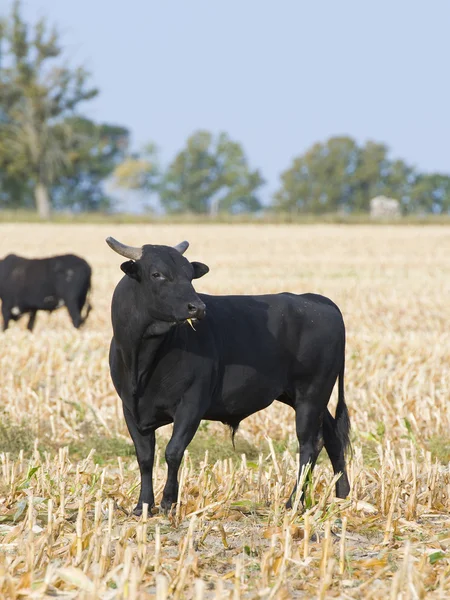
x=265, y=342
x=272, y=324
x=40, y=282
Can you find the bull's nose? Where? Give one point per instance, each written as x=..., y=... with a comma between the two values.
x=197, y=309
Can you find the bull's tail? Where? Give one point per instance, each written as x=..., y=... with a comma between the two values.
x=342, y=416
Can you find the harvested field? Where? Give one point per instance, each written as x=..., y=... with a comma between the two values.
x=69, y=477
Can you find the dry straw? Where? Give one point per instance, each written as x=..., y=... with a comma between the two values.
x=66, y=524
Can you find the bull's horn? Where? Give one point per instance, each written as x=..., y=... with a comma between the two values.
x=127, y=251
x=182, y=247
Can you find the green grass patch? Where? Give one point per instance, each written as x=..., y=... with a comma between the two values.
x=439, y=446
x=219, y=447
x=14, y=438
x=107, y=449
x=17, y=437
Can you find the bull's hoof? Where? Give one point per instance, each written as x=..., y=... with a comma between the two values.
x=166, y=505
x=342, y=487
x=288, y=504
x=137, y=512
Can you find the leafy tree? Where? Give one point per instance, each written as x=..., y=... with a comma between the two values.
x=37, y=98
x=210, y=175
x=96, y=150
x=339, y=174
x=139, y=171
x=371, y=169
x=399, y=181
x=430, y=193
x=321, y=180
x=14, y=192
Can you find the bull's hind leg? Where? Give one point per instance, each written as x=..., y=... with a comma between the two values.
x=31, y=320
x=336, y=451
x=308, y=421
x=74, y=312
x=310, y=406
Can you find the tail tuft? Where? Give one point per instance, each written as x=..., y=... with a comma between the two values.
x=233, y=429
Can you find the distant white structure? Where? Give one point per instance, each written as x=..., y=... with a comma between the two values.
x=382, y=207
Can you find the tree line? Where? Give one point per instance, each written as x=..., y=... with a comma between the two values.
x=53, y=157
x=212, y=174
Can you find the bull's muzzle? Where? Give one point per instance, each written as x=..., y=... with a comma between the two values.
x=197, y=310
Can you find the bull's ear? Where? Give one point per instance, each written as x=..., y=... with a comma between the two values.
x=131, y=269
x=199, y=269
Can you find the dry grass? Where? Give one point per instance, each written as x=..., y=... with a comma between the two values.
x=65, y=524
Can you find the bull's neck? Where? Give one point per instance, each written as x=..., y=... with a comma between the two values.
x=153, y=337
x=141, y=357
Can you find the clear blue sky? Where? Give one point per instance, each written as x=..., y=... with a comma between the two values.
x=276, y=75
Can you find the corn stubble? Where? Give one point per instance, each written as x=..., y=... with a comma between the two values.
x=66, y=528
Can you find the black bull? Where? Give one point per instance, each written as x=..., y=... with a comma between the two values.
x=248, y=351
x=31, y=284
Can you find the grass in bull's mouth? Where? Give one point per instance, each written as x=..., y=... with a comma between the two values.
x=69, y=477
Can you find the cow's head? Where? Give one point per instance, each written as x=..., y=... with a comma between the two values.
x=165, y=277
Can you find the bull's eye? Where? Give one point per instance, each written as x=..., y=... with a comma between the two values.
x=156, y=275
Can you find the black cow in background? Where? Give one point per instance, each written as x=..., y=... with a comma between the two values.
x=31, y=284
x=245, y=352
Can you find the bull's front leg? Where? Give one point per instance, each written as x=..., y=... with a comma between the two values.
x=145, y=453
x=185, y=424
